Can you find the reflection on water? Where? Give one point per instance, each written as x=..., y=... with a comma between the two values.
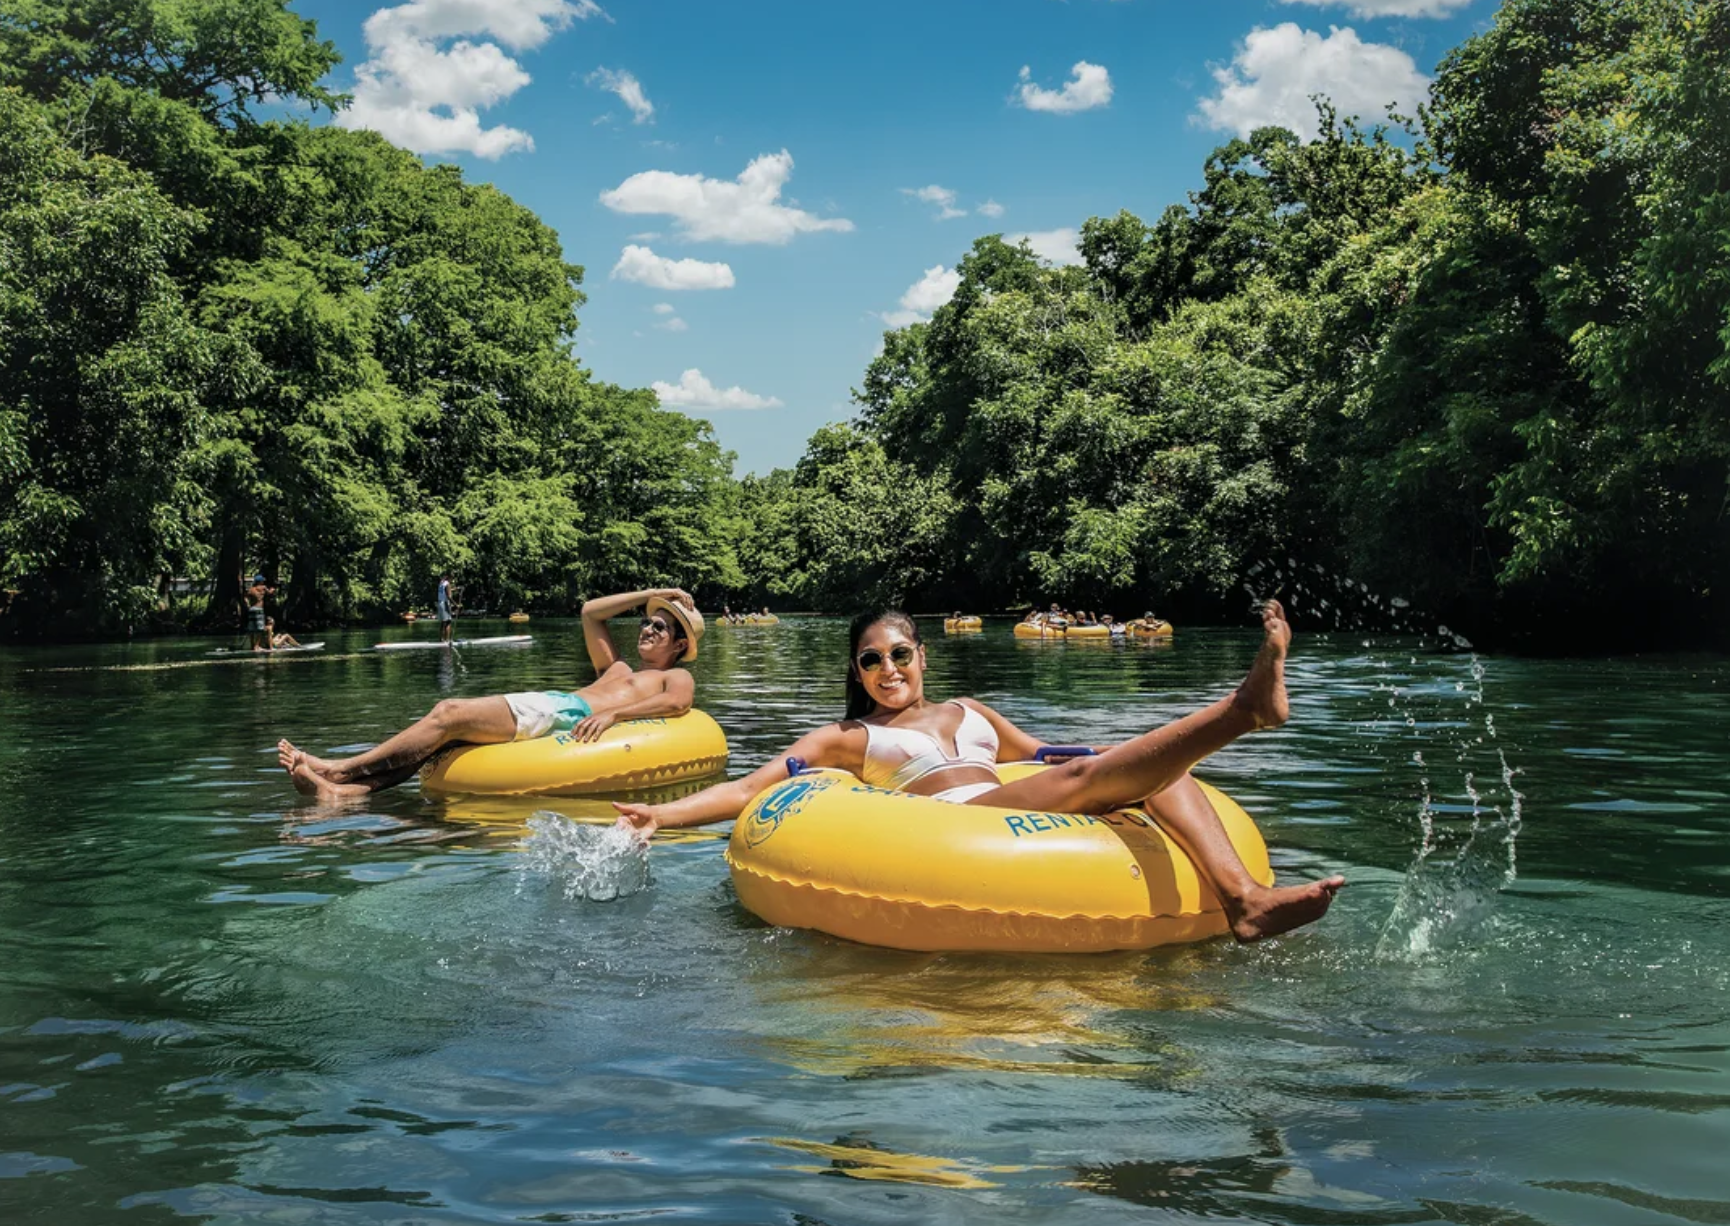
x=858, y=1158
x=863, y=1012
x=219, y=1002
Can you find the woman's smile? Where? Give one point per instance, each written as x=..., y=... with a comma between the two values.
x=890, y=683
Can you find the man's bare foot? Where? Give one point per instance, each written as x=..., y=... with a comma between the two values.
x=291, y=760
x=304, y=780
x=290, y=757
x=1271, y=910
x=1262, y=693
x=309, y=782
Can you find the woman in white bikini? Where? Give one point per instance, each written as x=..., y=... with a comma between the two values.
x=894, y=737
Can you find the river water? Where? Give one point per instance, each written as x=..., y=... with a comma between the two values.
x=220, y=1003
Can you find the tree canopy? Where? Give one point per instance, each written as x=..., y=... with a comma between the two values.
x=235, y=342
x=1480, y=359
x=1483, y=363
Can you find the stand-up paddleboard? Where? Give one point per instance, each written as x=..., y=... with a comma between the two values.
x=434, y=645
x=274, y=651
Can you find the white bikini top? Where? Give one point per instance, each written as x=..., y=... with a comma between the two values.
x=897, y=757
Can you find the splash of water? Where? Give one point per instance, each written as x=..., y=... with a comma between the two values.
x=1467, y=830
x=1326, y=599
x=1466, y=852
x=597, y=863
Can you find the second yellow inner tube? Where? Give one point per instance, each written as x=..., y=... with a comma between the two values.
x=637, y=755
x=1150, y=629
x=824, y=851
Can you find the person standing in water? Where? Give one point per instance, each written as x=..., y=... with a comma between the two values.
x=668, y=636
x=894, y=737
x=443, y=600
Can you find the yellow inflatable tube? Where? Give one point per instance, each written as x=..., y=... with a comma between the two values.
x=1087, y=632
x=822, y=850
x=962, y=625
x=1150, y=630
x=635, y=755
x=1031, y=630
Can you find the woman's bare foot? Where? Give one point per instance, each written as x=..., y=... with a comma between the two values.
x=1262, y=694
x=290, y=757
x=309, y=782
x=1271, y=910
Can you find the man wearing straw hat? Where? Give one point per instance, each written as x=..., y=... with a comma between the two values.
x=667, y=636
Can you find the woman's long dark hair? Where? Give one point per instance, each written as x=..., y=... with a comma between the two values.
x=859, y=703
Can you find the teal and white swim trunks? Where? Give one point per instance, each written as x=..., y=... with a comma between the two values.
x=542, y=712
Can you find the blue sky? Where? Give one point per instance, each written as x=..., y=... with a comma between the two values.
x=757, y=190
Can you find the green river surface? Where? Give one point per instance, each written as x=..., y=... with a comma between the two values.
x=218, y=1002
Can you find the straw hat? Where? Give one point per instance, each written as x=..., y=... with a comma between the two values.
x=687, y=617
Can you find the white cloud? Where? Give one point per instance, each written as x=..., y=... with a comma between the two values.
x=990, y=209
x=693, y=391
x=924, y=296
x=1056, y=246
x=746, y=210
x=1089, y=86
x=643, y=266
x=1390, y=8
x=932, y=290
x=629, y=90
x=427, y=98
x=942, y=197
x=675, y=324
x=519, y=24
x=1275, y=71
x=662, y=308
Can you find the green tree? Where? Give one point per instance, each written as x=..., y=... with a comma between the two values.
x=102, y=371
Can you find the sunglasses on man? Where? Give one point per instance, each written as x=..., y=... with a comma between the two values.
x=870, y=660
x=661, y=627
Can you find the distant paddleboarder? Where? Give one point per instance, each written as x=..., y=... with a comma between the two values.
x=257, y=633
x=443, y=600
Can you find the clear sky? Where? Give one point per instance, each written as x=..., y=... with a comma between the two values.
x=757, y=189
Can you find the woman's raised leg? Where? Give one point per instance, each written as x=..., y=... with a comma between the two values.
x=1155, y=767
x=1128, y=773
